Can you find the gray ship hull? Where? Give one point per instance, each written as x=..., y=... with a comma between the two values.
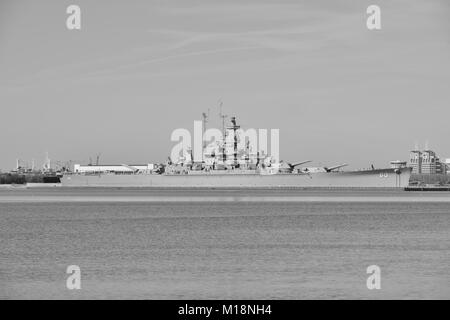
x=380, y=178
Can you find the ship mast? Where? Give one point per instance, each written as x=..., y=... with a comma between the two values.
x=205, y=121
x=223, y=117
x=234, y=127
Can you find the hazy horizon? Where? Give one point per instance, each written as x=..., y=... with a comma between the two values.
x=138, y=70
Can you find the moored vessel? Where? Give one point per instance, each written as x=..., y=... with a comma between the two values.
x=229, y=167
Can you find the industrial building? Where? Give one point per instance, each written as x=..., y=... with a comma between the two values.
x=118, y=169
x=426, y=162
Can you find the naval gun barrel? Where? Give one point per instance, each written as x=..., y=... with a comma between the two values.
x=293, y=165
x=336, y=167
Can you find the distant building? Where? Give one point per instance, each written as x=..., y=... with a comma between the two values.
x=415, y=161
x=120, y=168
x=447, y=163
x=426, y=162
x=429, y=162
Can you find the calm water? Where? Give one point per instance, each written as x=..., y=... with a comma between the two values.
x=156, y=244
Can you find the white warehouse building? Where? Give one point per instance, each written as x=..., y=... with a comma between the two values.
x=120, y=168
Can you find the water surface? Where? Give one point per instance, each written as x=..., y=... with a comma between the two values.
x=234, y=244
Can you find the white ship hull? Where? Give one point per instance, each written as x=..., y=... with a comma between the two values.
x=380, y=178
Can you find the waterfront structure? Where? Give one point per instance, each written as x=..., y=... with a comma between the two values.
x=415, y=161
x=426, y=162
x=430, y=162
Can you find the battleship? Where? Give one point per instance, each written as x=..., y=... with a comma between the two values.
x=229, y=167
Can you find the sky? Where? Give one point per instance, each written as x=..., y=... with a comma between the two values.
x=137, y=70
